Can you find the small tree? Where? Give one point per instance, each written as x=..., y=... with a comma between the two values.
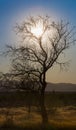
x=43, y=42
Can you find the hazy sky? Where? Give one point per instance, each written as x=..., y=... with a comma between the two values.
x=12, y=11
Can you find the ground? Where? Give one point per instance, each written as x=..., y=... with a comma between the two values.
x=21, y=111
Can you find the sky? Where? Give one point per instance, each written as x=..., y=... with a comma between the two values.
x=15, y=11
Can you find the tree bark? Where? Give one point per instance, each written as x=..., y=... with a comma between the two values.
x=43, y=82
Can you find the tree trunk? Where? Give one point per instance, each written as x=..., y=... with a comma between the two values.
x=43, y=83
x=43, y=89
x=42, y=100
x=43, y=110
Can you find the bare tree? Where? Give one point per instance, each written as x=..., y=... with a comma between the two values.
x=43, y=42
x=6, y=81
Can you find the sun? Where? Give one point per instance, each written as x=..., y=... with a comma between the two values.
x=37, y=30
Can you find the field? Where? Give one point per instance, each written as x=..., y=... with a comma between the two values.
x=22, y=111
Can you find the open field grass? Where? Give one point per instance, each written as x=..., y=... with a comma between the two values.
x=21, y=111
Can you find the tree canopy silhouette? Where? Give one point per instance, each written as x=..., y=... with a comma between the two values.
x=43, y=42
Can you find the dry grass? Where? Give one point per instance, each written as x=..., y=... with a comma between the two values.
x=21, y=117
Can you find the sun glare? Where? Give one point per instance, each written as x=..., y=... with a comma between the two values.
x=37, y=30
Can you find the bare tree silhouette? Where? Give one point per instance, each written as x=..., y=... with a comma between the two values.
x=6, y=80
x=43, y=42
